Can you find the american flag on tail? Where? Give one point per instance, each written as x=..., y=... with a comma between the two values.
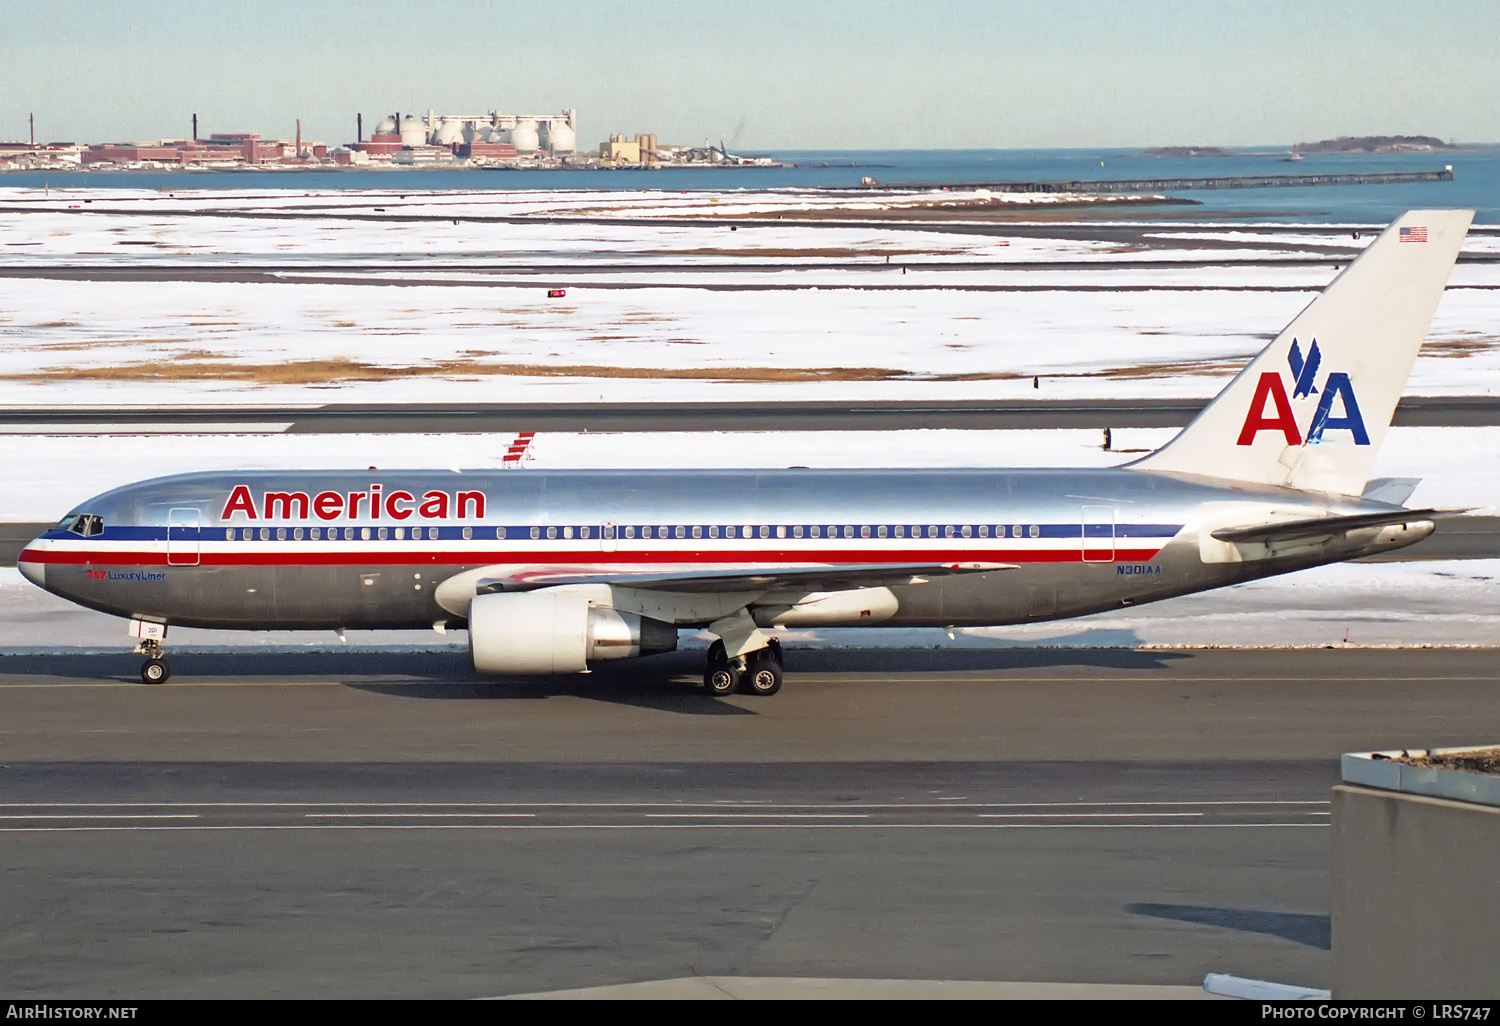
x=1417, y=234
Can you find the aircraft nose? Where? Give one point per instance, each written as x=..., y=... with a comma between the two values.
x=32, y=570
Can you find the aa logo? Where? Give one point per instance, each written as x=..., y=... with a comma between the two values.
x=1271, y=390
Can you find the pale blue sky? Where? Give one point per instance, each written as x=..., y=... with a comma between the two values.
x=832, y=74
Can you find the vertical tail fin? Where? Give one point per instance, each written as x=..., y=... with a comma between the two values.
x=1311, y=409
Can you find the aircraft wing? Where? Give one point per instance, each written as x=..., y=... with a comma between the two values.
x=1314, y=527
x=806, y=578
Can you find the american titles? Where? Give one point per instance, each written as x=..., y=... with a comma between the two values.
x=374, y=504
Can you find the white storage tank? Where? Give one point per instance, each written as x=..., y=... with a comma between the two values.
x=559, y=138
x=524, y=137
x=450, y=131
x=413, y=132
x=387, y=126
x=496, y=134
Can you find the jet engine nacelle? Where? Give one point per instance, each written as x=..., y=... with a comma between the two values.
x=547, y=632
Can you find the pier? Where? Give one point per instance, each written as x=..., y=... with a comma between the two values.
x=1444, y=174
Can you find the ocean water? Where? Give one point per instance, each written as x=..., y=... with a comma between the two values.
x=1476, y=181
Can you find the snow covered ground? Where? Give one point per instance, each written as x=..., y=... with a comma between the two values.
x=322, y=308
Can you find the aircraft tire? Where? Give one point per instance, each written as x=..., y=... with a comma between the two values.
x=720, y=680
x=155, y=671
x=764, y=678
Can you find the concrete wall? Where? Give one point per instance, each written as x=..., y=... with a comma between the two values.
x=1416, y=896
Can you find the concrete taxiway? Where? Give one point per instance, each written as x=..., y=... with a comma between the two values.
x=386, y=824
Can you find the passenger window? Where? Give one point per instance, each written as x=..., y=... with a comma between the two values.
x=401, y=533
x=984, y=530
x=747, y=533
x=583, y=532
x=364, y=534
x=948, y=531
x=781, y=530
x=848, y=531
x=965, y=530
x=380, y=533
x=536, y=532
x=680, y=533
x=296, y=534
x=229, y=534
x=864, y=530
x=1035, y=531
x=765, y=530
x=797, y=531
x=880, y=531
x=697, y=531
x=900, y=531
x=551, y=533
x=317, y=533
x=567, y=532
x=713, y=530
x=630, y=532
x=348, y=534
x=265, y=534
x=281, y=534
x=468, y=533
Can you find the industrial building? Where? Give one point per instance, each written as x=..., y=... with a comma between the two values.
x=445, y=137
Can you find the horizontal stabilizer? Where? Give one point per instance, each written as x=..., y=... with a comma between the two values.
x=808, y=578
x=1395, y=490
x=1317, y=527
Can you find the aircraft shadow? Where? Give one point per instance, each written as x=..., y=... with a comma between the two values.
x=668, y=682
x=1314, y=931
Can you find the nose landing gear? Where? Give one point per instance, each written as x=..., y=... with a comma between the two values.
x=156, y=669
x=149, y=637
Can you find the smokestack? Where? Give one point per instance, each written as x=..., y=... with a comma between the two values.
x=195, y=128
x=359, y=128
x=298, y=153
x=32, y=119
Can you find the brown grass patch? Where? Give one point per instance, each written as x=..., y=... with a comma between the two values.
x=1189, y=368
x=342, y=369
x=1467, y=345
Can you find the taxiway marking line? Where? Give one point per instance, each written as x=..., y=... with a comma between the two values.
x=1092, y=815
x=676, y=826
x=729, y=805
x=419, y=815
x=102, y=815
x=747, y=814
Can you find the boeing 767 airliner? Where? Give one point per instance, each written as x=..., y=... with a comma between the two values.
x=552, y=571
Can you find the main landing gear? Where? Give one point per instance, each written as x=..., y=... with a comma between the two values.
x=755, y=673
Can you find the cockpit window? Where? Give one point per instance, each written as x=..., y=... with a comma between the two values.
x=85, y=525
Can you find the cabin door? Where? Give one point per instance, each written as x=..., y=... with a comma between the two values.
x=1098, y=534
x=182, y=537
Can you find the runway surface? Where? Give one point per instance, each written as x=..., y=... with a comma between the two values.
x=387, y=825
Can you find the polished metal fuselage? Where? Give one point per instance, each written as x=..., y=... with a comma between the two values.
x=1077, y=541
